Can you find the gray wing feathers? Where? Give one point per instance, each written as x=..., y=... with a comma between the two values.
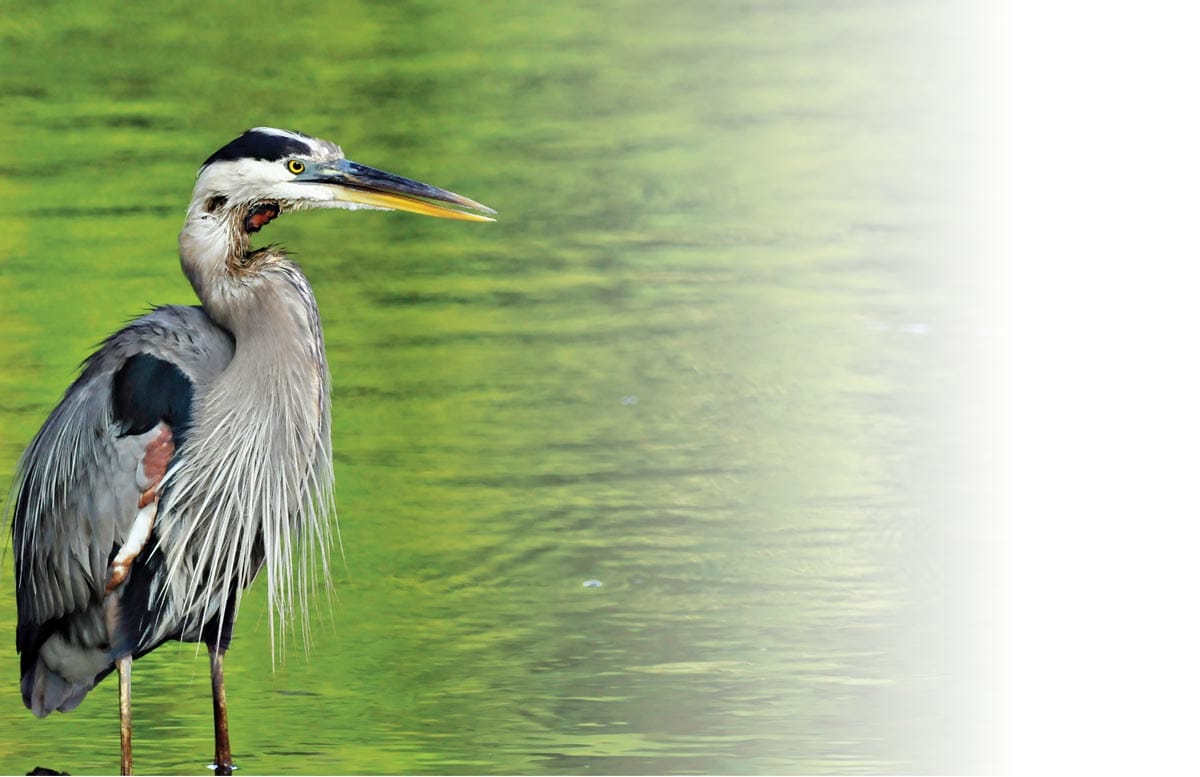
x=77, y=488
x=76, y=484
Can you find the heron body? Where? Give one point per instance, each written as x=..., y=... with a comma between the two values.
x=193, y=451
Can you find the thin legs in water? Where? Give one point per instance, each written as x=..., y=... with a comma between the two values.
x=124, y=667
x=223, y=758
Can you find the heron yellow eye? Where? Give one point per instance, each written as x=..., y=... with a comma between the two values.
x=295, y=166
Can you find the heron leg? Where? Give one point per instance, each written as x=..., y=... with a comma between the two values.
x=139, y=533
x=223, y=758
x=124, y=674
x=152, y=469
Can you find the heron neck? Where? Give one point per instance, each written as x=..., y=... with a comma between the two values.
x=272, y=315
x=262, y=430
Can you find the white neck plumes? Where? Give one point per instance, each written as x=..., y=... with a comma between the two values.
x=254, y=481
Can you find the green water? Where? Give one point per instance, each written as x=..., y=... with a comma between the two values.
x=710, y=356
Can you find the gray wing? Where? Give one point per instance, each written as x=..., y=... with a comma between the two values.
x=77, y=492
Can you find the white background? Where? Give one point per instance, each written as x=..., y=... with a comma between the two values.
x=1101, y=179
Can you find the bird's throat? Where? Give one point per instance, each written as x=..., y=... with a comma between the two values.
x=258, y=216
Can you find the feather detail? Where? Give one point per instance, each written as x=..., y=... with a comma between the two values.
x=254, y=484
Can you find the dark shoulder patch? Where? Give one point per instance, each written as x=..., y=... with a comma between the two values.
x=252, y=144
x=147, y=390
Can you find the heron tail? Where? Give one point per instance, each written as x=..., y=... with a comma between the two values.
x=60, y=673
x=45, y=690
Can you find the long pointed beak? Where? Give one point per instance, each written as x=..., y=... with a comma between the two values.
x=364, y=185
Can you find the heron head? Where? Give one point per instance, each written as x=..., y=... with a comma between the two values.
x=265, y=172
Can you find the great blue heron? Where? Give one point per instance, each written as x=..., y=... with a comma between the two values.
x=194, y=447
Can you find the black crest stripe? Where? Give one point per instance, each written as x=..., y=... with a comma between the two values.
x=266, y=146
